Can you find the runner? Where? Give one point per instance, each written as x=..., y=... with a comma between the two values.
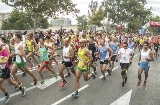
x=43, y=53
x=6, y=73
x=124, y=55
x=114, y=46
x=68, y=55
x=106, y=54
x=20, y=60
x=85, y=58
x=146, y=55
x=156, y=47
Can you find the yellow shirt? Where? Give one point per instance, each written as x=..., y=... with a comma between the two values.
x=82, y=58
x=30, y=46
x=87, y=36
x=141, y=41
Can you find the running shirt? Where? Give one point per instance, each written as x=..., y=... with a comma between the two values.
x=131, y=45
x=82, y=57
x=30, y=46
x=125, y=55
x=156, y=46
x=17, y=51
x=66, y=52
x=92, y=48
x=145, y=55
x=104, y=54
x=49, y=44
x=43, y=53
x=3, y=54
x=141, y=41
x=114, y=47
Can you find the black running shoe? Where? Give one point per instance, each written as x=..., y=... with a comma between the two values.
x=123, y=84
x=24, y=74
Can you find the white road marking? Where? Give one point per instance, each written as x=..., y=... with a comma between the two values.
x=68, y=96
x=107, y=72
x=123, y=100
x=136, y=55
x=17, y=93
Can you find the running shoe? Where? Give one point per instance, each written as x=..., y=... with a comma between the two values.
x=42, y=82
x=93, y=75
x=125, y=79
x=63, y=84
x=68, y=75
x=35, y=81
x=24, y=74
x=123, y=84
x=103, y=78
x=144, y=84
x=6, y=99
x=23, y=91
x=109, y=72
x=138, y=84
x=56, y=75
x=75, y=94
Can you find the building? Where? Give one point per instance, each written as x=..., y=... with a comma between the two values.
x=3, y=16
x=64, y=22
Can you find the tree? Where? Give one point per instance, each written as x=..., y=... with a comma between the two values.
x=23, y=21
x=82, y=22
x=93, y=6
x=96, y=18
x=127, y=12
x=49, y=8
x=17, y=21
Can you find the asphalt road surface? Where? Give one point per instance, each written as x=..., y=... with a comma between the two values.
x=92, y=92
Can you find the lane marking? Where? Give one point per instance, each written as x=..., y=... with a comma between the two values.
x=17, y=93
x=136, y=55
x=107, y=72
x=68, y=96
x=123, y=100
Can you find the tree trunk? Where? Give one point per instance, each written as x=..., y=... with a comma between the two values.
x=35, y=22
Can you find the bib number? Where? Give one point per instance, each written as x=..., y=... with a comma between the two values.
x=2, y=66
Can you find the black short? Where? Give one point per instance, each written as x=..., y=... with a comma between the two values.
x=104, y=62
x=113, y=58
x=67, y=64
x=156, y=50
x=5, y=73
x=141, y=45
x=124, y=66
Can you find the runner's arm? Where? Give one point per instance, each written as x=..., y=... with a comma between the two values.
x=87, y=52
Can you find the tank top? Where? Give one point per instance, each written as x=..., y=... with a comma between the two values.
x=66, y=53
x=49, y=44
x=19, y=59
x=82, y=58
x=114, y=47
x=92, y=48
x=43, y=54
x=103, y=53
x=145, y=55
x=30, y=46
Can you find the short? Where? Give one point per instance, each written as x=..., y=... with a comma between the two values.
x=113, y=58
x=5, y=73
x=144, y=66
x=21, y=64
x=82, y=70
x=67, y=64
x=141, y=45
x=156, y=50
x=103, y=62
x=124, y=66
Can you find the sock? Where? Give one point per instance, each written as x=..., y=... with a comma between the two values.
x=6, y=94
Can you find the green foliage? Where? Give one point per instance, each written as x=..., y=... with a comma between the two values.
x=17, y=21
x=82, y=22
x=127, y=12
x=23, y=21
x=96, y=18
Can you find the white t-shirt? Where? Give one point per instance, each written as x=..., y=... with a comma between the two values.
x=125, y=55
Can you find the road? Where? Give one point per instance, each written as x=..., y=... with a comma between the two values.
x=93, y=92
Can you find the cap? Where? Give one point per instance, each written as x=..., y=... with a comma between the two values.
x=1, y=43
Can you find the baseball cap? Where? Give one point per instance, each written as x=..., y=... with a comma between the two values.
x=1, y=43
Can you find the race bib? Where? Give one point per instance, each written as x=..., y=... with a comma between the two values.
x=143, y=59
x=80, y=60
x=2, y=66
x=155, y=47
x=90, y=51
x=102, y=60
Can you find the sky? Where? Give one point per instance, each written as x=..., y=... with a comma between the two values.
x=83, y=6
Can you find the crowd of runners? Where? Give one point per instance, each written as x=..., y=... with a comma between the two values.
x=81, y=52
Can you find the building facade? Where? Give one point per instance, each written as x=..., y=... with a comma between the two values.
x=64, y=22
